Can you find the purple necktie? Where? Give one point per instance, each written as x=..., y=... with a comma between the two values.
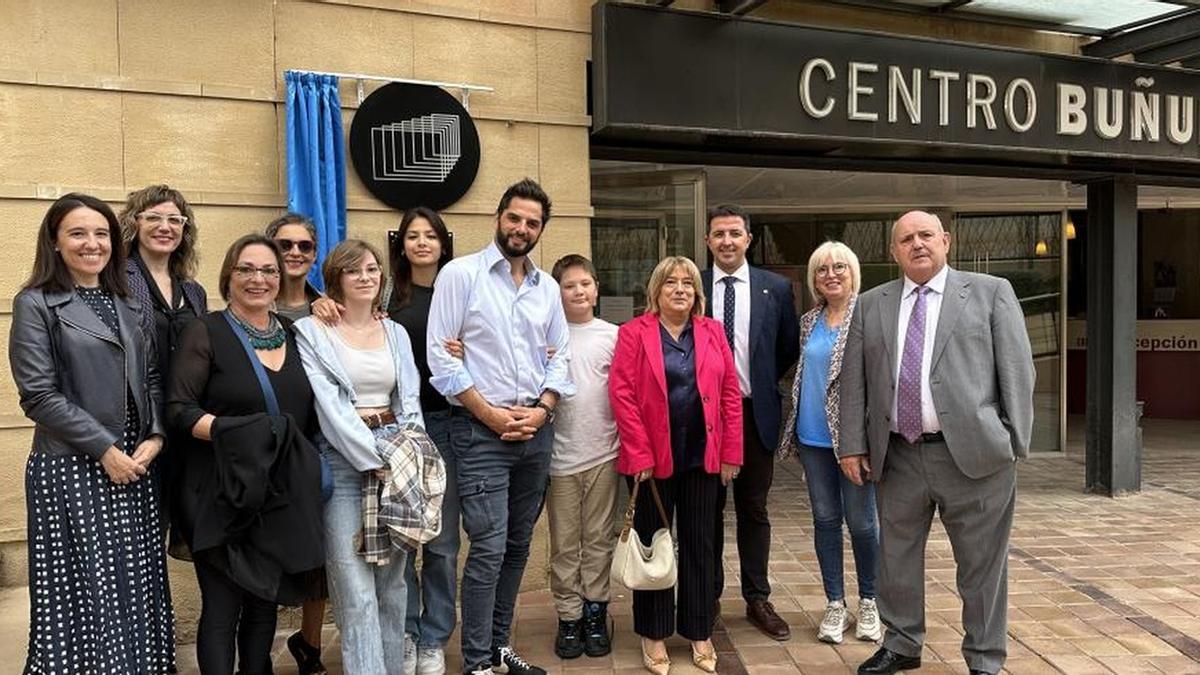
x=908, y=393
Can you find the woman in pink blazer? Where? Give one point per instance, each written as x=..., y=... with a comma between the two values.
x=678, y=408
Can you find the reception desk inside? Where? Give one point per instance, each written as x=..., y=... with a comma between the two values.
x=1168, y=368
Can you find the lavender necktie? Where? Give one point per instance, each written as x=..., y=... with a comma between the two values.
x=908, y=393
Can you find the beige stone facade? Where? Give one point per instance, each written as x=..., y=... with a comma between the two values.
x=106, y=97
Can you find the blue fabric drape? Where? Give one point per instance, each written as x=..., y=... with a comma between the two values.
x=316, y=159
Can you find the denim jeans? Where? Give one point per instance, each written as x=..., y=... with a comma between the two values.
x=501, y=486
x=835, y=498
x=368, y=600
x=431, y=613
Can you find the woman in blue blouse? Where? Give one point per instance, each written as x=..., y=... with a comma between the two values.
x=812, y=434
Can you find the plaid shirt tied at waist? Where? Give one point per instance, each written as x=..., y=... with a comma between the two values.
x=406, y=509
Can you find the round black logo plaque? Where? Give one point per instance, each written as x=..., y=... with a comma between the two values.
x=414, y=145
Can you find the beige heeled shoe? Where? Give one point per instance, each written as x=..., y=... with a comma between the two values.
x=705, y=661
x=658, y=666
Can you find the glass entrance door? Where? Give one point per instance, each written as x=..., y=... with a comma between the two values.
x=1026, y=249
x=641, y=217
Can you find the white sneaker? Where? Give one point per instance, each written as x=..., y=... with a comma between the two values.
x=869, y=627
x=431, y=661
x=410, y=655
x=486, y=670
x=835, y=623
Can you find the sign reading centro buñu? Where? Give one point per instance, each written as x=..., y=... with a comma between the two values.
x=769, y=82
x=414, y=145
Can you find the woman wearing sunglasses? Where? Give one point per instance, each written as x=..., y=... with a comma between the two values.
x=296, y=236
x=297, y=239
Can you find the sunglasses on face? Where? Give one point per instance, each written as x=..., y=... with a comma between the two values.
x=305, y=246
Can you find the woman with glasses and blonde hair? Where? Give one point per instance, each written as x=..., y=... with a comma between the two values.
x=231, y=368
x=158, y=230
x=367, y=387
x=675, y=397
x=811, y=433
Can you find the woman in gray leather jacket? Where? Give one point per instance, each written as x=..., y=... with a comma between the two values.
x=87, y=378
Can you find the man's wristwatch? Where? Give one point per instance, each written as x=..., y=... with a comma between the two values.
x=539, y=403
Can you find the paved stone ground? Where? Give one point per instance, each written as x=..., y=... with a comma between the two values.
x=1097, y=585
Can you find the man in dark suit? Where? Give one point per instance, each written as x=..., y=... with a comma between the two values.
x=936, y=407
x=759, y=314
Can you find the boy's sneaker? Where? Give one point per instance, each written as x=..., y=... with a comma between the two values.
x=506, y=660
x=596, y=640
x=431, y=661
x=567, y=644
x=869, y=626
x=835, y=622
x=483, y=669
x=410, y=655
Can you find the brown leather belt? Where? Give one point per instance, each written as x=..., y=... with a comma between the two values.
x=376, y=420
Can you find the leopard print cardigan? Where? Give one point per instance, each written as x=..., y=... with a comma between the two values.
x=788, y=444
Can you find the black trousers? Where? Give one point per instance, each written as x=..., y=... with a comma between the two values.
x=231, y=616
x=659, y=614
x=750, y=490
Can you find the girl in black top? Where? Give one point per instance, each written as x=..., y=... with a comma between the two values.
x=424, y=247
x=212, y=377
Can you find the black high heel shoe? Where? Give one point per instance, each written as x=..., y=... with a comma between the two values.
x=308, y=657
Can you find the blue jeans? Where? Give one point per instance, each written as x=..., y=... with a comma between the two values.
x=436, y=587
x=835, y=498
x=368, y=600
x=501, y=486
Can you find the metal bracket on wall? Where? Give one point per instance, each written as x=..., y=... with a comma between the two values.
x=360, y=78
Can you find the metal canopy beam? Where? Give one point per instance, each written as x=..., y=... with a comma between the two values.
x=1170, y=53
x=889, y=6
x=739, y=7
x=1182, y=27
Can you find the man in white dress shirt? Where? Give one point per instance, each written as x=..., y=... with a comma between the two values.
x=758, y=311
x=507, y=313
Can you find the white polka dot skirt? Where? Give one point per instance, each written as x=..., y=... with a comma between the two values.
x=99, y=598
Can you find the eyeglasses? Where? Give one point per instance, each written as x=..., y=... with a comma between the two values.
x=363, y=273
x=305, y=246
x=249, y=271
x=157, y=219
x=836, y=269
x=671, y=284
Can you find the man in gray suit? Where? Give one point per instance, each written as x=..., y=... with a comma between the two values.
x=936, y=406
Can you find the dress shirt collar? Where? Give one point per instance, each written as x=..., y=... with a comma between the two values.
x=492, y=256
x=937, y=284
x=741, y=274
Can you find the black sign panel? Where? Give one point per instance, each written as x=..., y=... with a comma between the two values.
x=414, y=145
x=677, y=77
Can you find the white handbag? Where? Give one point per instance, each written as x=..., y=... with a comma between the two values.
x=639, y=567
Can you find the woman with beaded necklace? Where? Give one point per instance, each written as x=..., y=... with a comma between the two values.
x=211, y=378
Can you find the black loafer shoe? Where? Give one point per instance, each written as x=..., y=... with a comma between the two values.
x=886, y=661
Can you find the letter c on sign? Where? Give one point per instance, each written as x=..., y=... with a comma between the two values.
x=806, y=89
